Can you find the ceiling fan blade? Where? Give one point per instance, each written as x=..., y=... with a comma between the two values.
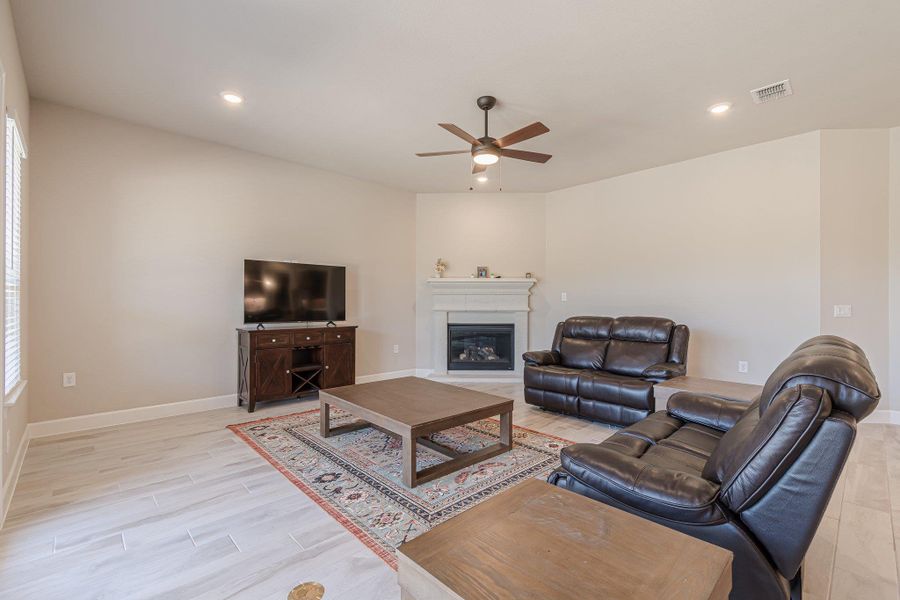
x=458, y=132
x=526, y=133
x=525, y=155
x=443, y=153
x=476, y=168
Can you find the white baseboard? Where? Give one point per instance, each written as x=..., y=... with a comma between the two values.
x=469, y=377
x=891, y=417
x=129, y=415
x=10, y=487
x=158, y=411
x=388, y=375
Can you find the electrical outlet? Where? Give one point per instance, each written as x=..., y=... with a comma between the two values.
x=843, y=311
x=564, y=297
x=68, y=379
x=396, y=349
x=743, y=366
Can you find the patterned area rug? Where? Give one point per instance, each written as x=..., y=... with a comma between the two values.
x=356, y=476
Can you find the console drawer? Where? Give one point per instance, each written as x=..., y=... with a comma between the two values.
x=273, y=340
x=313, y=338
x=341, y=335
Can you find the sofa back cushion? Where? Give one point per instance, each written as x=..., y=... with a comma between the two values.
x=637, y=343
x=755, y=453
x=832, y=363
x=584, y=341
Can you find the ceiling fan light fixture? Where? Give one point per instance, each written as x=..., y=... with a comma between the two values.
x=486, y=155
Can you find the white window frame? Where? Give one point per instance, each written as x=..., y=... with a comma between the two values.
x=12, y=393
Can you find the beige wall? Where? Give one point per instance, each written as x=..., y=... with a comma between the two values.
x=726, y=243
x=137, y=261
x=15, y=417
x=894, y=251
x=854, y=240
x=504, y=232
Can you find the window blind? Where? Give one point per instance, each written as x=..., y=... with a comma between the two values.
x=12, y=342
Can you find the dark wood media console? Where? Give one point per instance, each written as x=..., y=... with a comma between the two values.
x=282, y=363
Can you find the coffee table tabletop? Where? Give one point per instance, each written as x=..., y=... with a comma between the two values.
x=538, y=541
x=414, y=401
x=413, y=409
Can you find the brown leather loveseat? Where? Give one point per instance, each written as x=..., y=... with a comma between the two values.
x=604, y=369
x=754, y=479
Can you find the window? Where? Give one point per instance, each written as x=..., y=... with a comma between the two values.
x=15, y=152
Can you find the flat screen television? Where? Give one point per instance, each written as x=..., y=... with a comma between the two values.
x=284, y=292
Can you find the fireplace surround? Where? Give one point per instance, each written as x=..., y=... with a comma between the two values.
x=470, y=301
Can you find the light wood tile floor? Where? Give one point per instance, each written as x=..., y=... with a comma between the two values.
x=181, y=508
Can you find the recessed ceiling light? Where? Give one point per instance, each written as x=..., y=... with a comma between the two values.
x=482, y=178
x=232, y=97
x=721, y=107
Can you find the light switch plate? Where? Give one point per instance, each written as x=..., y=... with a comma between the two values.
x=564, y=297
x=396, y=349
x=743, y=366
x=843, y=311
x=68, y=379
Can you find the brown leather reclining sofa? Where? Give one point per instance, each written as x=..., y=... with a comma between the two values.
x=604, y=369
x=754, y=479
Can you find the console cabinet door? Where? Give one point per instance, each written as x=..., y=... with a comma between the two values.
x=272, y=377
x=338, y=365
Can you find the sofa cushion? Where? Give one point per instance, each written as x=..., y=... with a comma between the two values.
x=674, y=459
x=699, y=440
x=644, y=482
x=616, y=389
x=625, y=357
x=582, y=354
x=627, y=444
x=642, y=329
x=754, y=454
x=552, y=378
x=584, y=341
x=587, y=328
x=654, y=428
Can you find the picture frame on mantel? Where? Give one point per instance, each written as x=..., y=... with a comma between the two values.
x=482, y=272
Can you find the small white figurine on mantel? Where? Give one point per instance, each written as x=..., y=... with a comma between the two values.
x=439, y=267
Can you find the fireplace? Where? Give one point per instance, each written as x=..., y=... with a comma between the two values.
x=480, y=347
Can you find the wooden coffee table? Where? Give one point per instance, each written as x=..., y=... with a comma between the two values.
x=413, y=409
x=537, y=541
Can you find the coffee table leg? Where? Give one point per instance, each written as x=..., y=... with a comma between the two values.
x=324, y=418
x=506, y=429
x=409, y=461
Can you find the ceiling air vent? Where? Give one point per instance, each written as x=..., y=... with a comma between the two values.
x=773, y=91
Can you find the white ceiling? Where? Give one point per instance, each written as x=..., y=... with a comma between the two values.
x=358, y=87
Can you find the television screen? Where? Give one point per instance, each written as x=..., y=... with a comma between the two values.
x=283, y=292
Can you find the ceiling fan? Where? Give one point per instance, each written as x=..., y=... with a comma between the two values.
x=487, y=151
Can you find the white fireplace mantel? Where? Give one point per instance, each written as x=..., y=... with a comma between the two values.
x=471, y=300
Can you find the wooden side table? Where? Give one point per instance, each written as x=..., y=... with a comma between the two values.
x=538, y=541
x=731, y=390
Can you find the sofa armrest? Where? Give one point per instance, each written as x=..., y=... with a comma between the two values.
x=666, y=493
x=662, y=371
x=541, y=357
x=703, y=409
